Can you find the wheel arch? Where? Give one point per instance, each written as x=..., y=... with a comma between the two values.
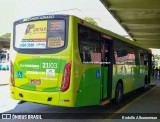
x=114, y=87
x=120, y=81
x=119, y=91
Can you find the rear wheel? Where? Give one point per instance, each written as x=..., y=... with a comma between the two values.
x=119, y=93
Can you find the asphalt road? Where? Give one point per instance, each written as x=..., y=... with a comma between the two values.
x=8, y=105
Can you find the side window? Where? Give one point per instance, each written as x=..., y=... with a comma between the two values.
x=120, y=52
x=120, y=56
x=89, y=45
x=143, y=57
x=146, y=59
x=125, y=53
x=130, y=59
x=137, y=56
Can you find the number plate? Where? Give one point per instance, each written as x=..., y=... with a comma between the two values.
x=36, y=82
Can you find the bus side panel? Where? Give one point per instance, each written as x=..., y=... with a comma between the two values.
x=89, y=89
x=84, y=82
x=118, y=74
x=67, y=98
x=138, y=76
x=132, y=77
x=122, y=73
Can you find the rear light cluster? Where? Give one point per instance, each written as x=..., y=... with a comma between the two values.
x=66, y=77
x=12, y=74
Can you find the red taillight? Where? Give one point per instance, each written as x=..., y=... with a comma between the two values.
x=66, y=77
x=12, y=74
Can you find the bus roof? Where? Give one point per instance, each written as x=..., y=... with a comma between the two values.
x=112, y=34
x=44, y=17
x=41, y=17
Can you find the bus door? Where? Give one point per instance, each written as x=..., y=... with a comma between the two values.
x=106, y=68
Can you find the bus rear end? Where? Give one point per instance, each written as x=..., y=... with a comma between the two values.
x=41, y=61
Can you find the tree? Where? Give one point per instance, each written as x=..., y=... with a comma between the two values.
x=156, y=56
x=7, y=35
x=90, y=20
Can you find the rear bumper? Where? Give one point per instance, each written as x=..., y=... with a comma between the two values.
x=50, y=98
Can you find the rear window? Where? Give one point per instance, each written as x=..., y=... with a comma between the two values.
x=44, y=34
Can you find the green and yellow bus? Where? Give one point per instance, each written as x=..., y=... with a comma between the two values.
x=63, y=60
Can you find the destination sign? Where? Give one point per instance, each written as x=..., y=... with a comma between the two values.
x=38, y=18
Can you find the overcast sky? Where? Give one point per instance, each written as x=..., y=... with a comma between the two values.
x=12, y=10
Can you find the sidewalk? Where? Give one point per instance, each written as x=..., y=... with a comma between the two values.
x=6, y=103
x=147, y=105
x=4, y=77
x=149, y=102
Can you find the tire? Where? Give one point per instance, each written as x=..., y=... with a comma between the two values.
x=119, y=93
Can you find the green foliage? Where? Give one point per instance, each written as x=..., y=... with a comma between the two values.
x=90, y=20
x=156, y=56
x=7, y=35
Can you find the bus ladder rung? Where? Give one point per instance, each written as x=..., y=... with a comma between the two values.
x=104, y=102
